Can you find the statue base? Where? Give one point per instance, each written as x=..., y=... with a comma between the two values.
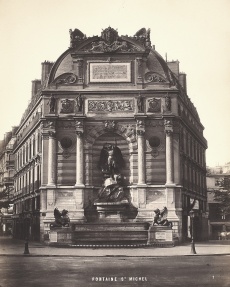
x=160, y=235
x=112, y=211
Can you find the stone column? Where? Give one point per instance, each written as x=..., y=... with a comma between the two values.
x=141, y=151
x=169, y=152
x=79, y=154
x=79, y=159
x=52, y=159
x=141, y=157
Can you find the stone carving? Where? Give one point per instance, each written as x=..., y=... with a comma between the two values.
x=160, y=217
x=153, y=77
x=110, y=126
x=140, y=124
x=143, y=35
x=75, y=37
x=110, y=106
x=140, y=104
x=154, y=105
x=52, y=104
x=110, y=42
x=66, y=79
x=67, y=106
x=79, y=103
x=168, y=103
x=110, y=163
x=61, y=218
x=111, y=160
x=168, y=123
x=48, y=124
x=78, y=125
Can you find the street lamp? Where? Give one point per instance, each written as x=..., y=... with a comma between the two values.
x=192, y=214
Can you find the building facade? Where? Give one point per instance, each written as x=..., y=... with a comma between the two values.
x=115, y=90
x=219, y=222
x=7, y=181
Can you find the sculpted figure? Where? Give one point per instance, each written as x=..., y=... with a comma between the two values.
x=168, y=103
x=51, y=103
x=79, y=103
x=140, y=104
x=111, y=160
x=61, y=218
x=160, y=217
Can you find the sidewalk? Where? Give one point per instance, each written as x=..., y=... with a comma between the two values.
x=12, y=247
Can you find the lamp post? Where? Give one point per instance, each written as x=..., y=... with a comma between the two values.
x=192, y=216
x=26, y=250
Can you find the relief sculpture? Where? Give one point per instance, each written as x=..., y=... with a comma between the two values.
x=110, y=106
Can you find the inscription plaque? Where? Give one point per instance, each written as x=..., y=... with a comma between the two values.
x=110, y=72
x=160, y=235
x=53, y=237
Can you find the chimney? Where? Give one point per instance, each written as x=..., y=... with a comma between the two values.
x=174, y=67
x=46, y=67
x=14, y=129
x=182, y=81
x=36, y=85
x=7, y=137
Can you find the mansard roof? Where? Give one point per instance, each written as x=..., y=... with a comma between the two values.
x=110, y=44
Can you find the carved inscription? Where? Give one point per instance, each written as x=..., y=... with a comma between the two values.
x=110, y=72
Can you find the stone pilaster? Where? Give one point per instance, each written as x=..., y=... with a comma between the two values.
x=79, y=68
x=52, y=166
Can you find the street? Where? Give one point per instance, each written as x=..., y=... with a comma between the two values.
x=26, y=271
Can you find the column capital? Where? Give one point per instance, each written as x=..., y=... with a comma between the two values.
x=52, y=134
x=168, y=126
x=140, y=126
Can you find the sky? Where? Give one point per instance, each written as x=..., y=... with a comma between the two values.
x=195, y=32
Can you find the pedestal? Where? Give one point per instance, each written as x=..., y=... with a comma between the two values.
x=160, y=235
x=111, y=211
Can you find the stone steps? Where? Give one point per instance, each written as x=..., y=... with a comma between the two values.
x=112, y=233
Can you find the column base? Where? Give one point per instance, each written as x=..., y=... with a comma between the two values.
x=79, y=185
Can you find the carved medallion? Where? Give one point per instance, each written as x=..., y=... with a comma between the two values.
x=67, y=106
x=154, y=105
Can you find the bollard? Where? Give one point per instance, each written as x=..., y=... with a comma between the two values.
x=26, y=251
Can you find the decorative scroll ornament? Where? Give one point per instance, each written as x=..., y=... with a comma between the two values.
x=67, y=106
x=66, y=79
x=152, y=77
x=110, y=126
x=154, y=105
x=110, y=106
